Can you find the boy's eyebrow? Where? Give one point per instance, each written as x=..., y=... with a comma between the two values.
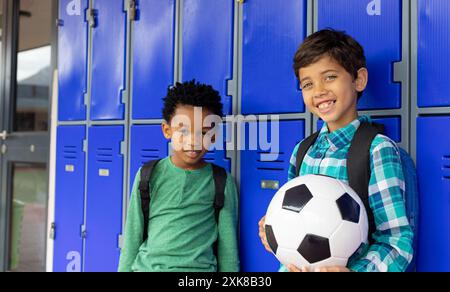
x=303, y=79
x=329, y=70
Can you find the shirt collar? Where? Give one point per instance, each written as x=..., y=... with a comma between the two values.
x=343, y=136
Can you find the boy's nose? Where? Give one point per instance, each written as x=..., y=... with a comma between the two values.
x=319, y=90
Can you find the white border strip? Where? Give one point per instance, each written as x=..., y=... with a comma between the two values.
x=51, y=172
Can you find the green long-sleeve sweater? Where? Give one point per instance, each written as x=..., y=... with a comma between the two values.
x=182, y=226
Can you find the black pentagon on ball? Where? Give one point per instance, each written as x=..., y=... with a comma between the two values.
x=271, y=239
x=349, y=208
x=296, y=198
x=315, y=248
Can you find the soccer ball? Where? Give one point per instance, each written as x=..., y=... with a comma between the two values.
x=316, y=221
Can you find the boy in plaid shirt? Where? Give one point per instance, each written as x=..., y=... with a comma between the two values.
x=331, y=68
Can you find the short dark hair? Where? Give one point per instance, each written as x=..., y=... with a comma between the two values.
x=191, y=93
x=338, y=45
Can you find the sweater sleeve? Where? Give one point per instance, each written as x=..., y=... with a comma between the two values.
x=228, y=254
x=133, y=230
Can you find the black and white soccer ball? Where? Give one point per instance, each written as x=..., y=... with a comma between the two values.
x=316, y=221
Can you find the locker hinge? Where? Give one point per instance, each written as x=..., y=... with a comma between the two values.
x=86, y=96
x=59, y=22
x=83, y=231
x=231, y=87
x=123, y=147
x=120, y=241
x=400, y=71
x=91, y=16
x=124, y=97
x=52, y=231
x=132, y=9
x=85, y=146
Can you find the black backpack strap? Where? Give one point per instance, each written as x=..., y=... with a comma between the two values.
x=303, y=149
x=358, y=165
x=220, y=181
x=144, y=189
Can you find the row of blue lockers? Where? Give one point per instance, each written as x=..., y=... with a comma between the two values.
x=272, y=31
x=99, y=208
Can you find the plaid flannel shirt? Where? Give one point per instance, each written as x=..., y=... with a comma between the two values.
x=392, y=246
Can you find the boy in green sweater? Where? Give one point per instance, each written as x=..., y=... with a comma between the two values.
x=182, y=228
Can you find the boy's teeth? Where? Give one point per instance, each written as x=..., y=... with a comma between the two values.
x=325, y=104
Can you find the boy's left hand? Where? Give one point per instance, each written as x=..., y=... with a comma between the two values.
x=335, y=269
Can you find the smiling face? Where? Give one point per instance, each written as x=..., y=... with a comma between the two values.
x=330, y=92
x=188, y=146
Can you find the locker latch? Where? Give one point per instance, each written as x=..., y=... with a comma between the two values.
x=92, y=17
x=52, y=231
x=132, y=9
x=240, y=1
x=83, y=231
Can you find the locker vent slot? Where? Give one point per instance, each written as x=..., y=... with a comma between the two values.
x=70, y=152
x=270, y=168
x=446, y=167
x=274, y=165
x=149, y=154
x=105, y=155
x=209, y=156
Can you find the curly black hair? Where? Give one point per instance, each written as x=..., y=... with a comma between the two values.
x=191, y=93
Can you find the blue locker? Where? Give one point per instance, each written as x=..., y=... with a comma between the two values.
x=392, y=127
x=69, y=199
x=147, y=143
x=104, y=198
x=433, y=53
x=108, y=60
x=208, y=44
x=377, y=26
x=433, y=170
x=255, y=198
x=72, y=60
x=154, y=54
x=273, y=30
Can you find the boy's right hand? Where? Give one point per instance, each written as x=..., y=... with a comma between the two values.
x=262, y=233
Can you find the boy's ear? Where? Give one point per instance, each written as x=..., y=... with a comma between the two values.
x=167, y=131
x=362, y=79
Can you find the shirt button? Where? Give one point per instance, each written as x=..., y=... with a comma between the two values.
x=319, y=155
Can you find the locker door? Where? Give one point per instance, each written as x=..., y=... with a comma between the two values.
x=259, y=183
x=376, y=25
x=104, y=198
x=433, y=172
x=208, y=44
x=69, y=199
x=153, y=56
x=392, y=127
x=108, y=60
x=72, y=60
x=147, y=143
x=433, y=53
x=273, y=30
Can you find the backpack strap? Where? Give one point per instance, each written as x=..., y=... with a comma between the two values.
x=303, y=149
x=358, y=165
x=220, y=181
x=144, y=189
